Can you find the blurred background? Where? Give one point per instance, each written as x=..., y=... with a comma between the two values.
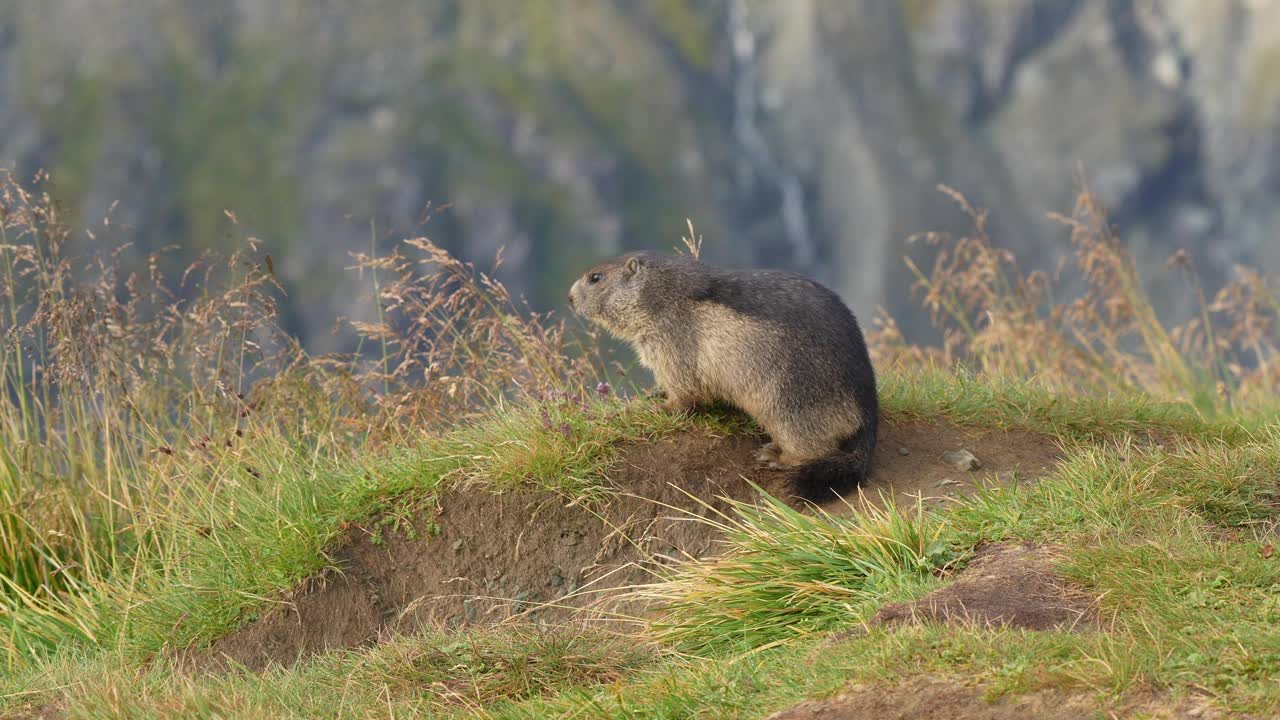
x=807, y=134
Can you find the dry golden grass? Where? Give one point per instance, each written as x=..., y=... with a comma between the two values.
x=129, y=399
x=1006, y=322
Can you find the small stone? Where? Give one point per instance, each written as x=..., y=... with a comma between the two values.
x=904, y=451
x=571, y=539
x=457, y=545
x=556, y=580
x=962, y=460
x=945, y=482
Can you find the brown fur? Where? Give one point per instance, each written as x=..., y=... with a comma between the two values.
x=780, y=347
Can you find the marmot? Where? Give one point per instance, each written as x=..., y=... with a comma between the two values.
x=777, y=345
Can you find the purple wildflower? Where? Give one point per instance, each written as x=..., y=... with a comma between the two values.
x=603, y=389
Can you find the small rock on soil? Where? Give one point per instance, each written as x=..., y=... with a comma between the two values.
x=962, y=460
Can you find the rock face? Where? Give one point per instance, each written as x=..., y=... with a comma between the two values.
x=806, y=134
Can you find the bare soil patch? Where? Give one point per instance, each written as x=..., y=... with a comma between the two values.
x=909, y=462
x=940, y=699
x=1005, y=585
x=539, y=556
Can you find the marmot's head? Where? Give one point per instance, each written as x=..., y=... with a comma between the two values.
x=609, y=294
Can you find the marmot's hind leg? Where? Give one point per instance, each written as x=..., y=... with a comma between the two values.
x=779, y=459
x=768, y=454
x=786, y=451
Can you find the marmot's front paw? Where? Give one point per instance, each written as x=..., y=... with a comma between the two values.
x=768, y=455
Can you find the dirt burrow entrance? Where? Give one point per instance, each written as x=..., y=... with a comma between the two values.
x=931, y=698
x=539, y=556
x=1005, y=585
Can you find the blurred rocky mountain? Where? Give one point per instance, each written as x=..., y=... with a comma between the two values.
x=800, y=133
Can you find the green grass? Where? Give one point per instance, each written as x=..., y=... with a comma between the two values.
x=968, y=398
x=1171, y=533
x=792, y=575
x=423, y=674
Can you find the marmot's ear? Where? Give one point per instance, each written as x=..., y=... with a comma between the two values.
x=633, y=264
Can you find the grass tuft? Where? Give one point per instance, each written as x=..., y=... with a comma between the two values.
x=786, y=574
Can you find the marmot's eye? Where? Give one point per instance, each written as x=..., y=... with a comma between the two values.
x=595, y=277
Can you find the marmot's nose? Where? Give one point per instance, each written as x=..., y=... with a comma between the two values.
x=571, y=298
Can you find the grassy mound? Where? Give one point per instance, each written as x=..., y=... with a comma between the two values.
x=175, y=471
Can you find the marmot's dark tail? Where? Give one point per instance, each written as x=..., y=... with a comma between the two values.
x=823, y=479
